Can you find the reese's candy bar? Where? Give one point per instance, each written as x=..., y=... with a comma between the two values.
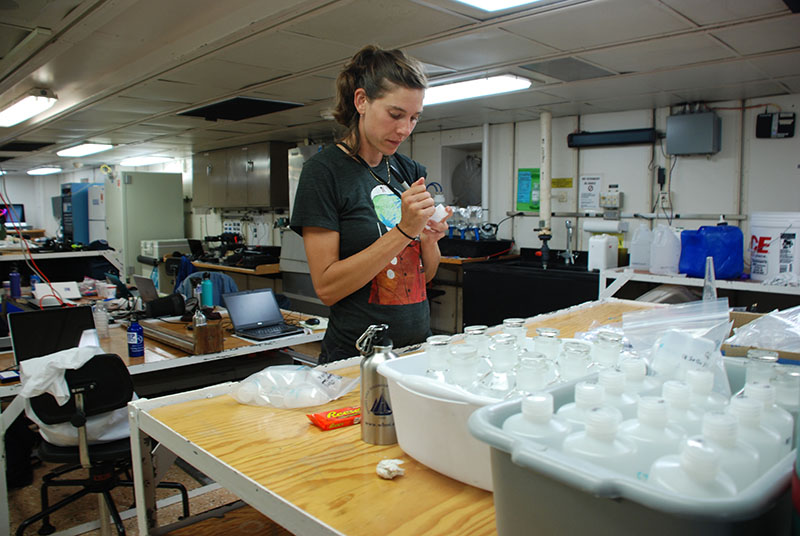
x=336, y=418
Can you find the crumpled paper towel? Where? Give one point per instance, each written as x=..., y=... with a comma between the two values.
x=389, y=469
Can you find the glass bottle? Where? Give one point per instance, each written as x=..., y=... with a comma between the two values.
x=534, y=372
x=574, y=360
x=516, y=327
x=477, y=337
x=547, y=342
x=607, y=348
x=503, y=358
x=462, y=365
x=437, y=350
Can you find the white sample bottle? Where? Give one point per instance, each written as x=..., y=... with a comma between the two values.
x=640, y=248
x=653, y=436
x=637, y=382
x=695, y=472
x=677, y=393
x=702, y=397
x=613, y=381
x=599, y=443
x=587, y=396
x=774, y=416
x=536, y=422
x=738, y=459
x=752, y=431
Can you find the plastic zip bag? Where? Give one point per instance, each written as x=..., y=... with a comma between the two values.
x=291, y=386
x=778, y=330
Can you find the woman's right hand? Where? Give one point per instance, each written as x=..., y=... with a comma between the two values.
x=417, y=208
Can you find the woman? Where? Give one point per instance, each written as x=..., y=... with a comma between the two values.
x=364, y=212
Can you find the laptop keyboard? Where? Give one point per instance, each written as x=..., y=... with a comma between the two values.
x=270, y=330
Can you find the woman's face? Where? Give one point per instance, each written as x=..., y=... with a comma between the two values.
x=387, y=122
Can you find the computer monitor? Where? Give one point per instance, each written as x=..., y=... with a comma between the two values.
x=38, y=333
x=16, y=213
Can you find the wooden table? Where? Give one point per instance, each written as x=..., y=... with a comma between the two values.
x=261, y=269
x=313, y=482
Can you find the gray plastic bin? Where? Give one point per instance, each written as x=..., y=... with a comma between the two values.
x=543, y=491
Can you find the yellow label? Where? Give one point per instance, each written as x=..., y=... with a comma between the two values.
x=563, y=182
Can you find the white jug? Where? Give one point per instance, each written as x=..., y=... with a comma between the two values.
x=665, y=251
x=640, y=248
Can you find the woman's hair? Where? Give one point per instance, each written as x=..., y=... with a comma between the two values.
x=376, y=71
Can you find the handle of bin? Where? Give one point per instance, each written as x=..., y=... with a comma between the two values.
x=437, y=390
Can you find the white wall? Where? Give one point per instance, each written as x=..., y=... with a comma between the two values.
x=747, y=175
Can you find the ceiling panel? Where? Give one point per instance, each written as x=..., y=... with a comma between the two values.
x=179, y=92
x=473, y=50
x=793, y=83
x=728, y=10
x=600, y=88
x=303, y=89
x=734, y=92
x=135, y=105
x=222, y=74
x=598, y=23
x=659, y=53
x=779, y=64
x=705, y=76
x=783, y=34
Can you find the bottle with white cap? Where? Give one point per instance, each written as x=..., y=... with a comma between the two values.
x=587, y=396
x=676, y=393
x=637, y=382
x=774, y=416
x=537, y=421
x=737, y=458
x=653, y=436
x=599, y=442
x=613, y=381
x=702, y=397
x=753, y=432
x=787, y=389
x=695, y=472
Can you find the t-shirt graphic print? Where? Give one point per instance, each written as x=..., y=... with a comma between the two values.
x=402, y=281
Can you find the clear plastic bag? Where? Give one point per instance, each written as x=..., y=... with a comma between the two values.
x=778, y=330
x=291, y=386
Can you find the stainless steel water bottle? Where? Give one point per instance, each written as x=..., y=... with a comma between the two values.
x=377, y=420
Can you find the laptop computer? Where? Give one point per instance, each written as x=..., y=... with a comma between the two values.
x=146, y=287
x=255, y=315
x=65, y=290
x=38, y=333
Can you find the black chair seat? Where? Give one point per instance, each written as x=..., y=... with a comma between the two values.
x=101, y=452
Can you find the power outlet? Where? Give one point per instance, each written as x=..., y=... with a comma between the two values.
x=666, y=200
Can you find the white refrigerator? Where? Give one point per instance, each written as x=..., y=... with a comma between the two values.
x=142, y=206
x=97, y=212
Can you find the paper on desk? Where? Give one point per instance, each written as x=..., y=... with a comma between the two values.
x=156, y=354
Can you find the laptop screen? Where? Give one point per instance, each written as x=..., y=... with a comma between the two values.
x=146, y=287
x=38, y=333
x=252, y=308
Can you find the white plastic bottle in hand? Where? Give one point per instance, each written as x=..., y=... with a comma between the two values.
x=537, y=422
x=613, y=381
x=695, y=472
x=599, y=442
x=676, y=393
x=653, y=436
x=587, y=396
x=738, y=459
x=774, y=416
x=703, y=398
x=753, y=432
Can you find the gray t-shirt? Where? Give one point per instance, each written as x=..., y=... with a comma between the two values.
x=338, y=193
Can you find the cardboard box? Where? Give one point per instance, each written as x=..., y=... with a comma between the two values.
x=740, y=319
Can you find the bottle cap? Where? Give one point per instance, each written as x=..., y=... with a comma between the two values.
x=538, y=407
x=720, y=427
x=589, y=394
x=763, y=392
x=652, y=410
x=699, y=459
x=747, y=410
x=635, y=369
x=676, y=393
x=700, y=381
x=613, y=381
x=602, y=422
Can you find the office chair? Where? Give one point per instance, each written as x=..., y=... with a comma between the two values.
x=102, y=384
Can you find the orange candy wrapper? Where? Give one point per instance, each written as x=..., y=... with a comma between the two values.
x=336, y=418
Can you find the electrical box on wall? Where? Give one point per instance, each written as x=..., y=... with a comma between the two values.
x=693, y=133
x=775, y=125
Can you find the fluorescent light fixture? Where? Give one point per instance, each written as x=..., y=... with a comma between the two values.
x=26, y=107
x=137, y=161
x=496, y=5
x=85, y=149
x=46, y=170
x=470, y=89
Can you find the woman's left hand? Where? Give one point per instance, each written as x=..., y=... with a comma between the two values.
x=434, y=231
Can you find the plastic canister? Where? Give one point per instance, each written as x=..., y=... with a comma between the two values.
x=724, y=243
x=774, y=250
x=665, y=251
x=603, y=251
x=640, y=248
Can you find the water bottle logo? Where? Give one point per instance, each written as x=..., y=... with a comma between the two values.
x=135, y=338
x=381, y=407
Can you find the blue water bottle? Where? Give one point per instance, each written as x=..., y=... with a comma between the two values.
x=14, y=283
x=208, y=291
x=135, y=339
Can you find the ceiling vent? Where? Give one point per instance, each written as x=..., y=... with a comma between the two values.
x=24, y=146
x=567, y=69
x=239, y=108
